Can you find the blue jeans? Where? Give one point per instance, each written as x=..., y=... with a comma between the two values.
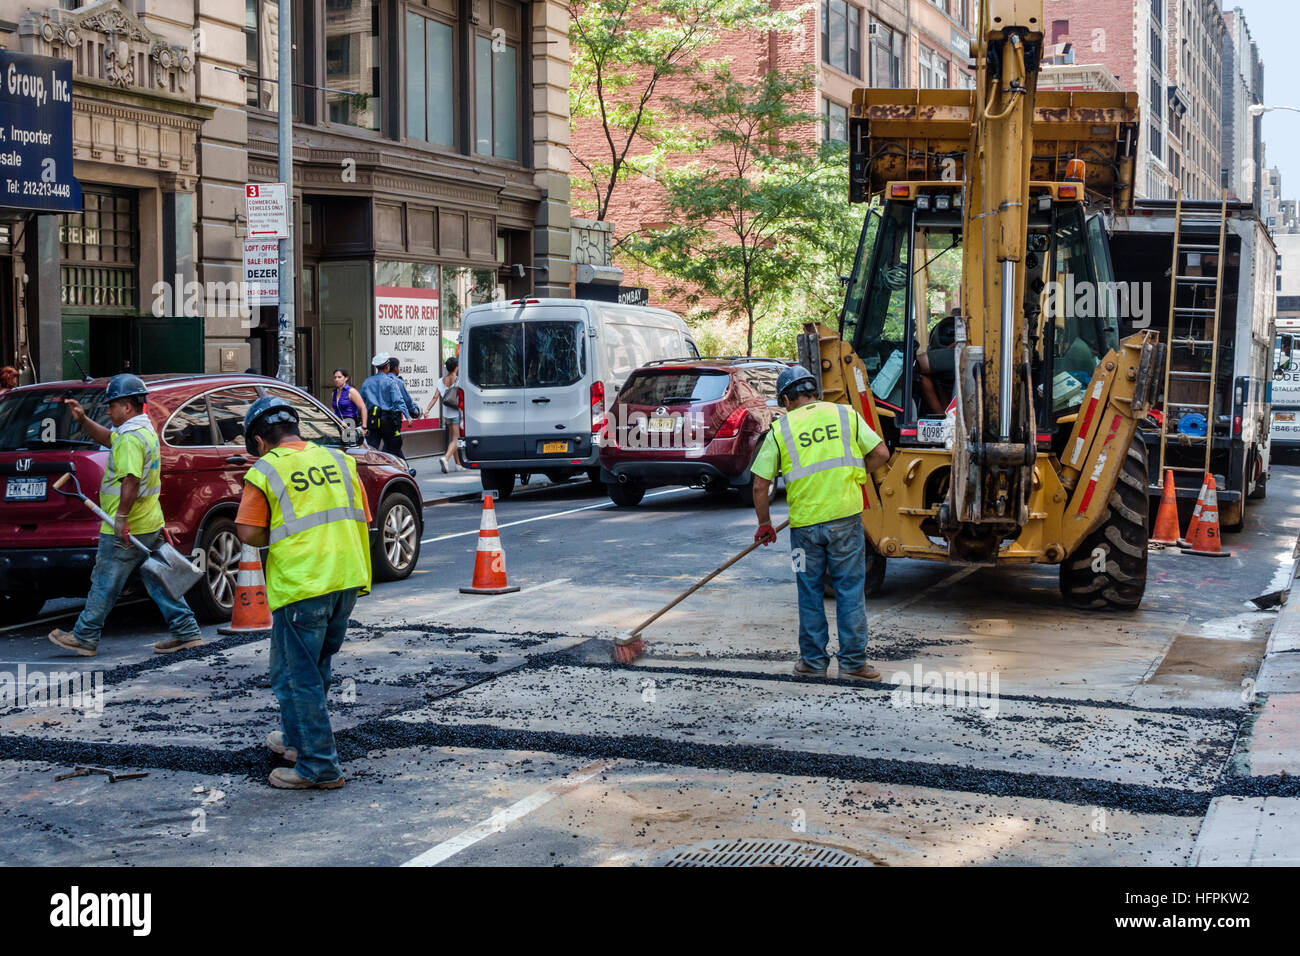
x=305, y=636
x=841, y=547
x=115, y=562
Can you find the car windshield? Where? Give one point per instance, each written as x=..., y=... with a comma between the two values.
x=675, y=387
x=37, y=418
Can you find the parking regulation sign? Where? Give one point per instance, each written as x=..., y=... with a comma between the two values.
x=268, y=211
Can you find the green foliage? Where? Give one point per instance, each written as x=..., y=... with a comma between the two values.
x=621, y=51
x=760, y=220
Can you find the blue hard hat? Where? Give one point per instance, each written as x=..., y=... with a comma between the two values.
x=266, y=411
x=792, y=377
x=125, y=385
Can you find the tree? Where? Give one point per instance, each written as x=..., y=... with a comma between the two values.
x=761, y=223
x=622, y=52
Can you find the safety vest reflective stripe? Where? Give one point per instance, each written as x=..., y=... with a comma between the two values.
x=849, y=459
x=292, y=523
x=151, y=483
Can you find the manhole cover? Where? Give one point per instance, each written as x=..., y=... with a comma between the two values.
x=744, y=852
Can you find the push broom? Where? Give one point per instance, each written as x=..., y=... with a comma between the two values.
x=628, y=647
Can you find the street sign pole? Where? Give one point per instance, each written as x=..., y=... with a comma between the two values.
x=286, y=315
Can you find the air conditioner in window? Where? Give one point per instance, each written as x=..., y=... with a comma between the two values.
x=873, y=31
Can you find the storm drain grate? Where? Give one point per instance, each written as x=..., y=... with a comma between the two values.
x=749, y=852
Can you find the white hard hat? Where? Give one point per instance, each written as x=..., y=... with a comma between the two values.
x=380, y=359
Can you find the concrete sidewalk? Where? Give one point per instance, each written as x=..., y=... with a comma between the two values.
x=1263, y=831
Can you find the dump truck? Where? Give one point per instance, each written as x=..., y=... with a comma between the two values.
x=1010, y=412
x=1213, y=297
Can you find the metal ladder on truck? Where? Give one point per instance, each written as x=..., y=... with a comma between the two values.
x=1193, y=338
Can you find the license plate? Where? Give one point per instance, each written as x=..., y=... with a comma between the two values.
x=25, y=489
x=1284, y=416
x=555, y=447
x=661, y=424
x=929, y=431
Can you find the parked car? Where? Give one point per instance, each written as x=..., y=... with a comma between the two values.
x=693, y=422
x=536, y=375
x=48, y=541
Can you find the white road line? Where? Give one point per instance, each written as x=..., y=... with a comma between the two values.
x=503, y=818
x=554, y=514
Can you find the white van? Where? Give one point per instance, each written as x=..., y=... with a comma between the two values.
x=538, y=374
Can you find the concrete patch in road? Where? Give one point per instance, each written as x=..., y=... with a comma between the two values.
x=1250, y=831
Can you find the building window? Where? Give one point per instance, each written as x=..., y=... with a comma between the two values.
x=430, y=87
x=352, y=62
x=261, y=52
x=496, y=83
x=835, y=122
x=933, y=69
x=842, y=36
x=100, y=248
x=886, y=56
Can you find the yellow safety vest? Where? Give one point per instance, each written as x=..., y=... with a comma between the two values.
x=824, y=473
x=146, y=514
x=319, y=542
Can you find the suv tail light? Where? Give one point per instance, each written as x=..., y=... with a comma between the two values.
x=731, y=427
x=458, y=397
x=597, y=407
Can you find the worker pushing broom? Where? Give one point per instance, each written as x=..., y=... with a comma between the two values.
x=825, y=452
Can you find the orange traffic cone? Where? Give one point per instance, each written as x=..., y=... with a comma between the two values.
x=251, y=613
x=1166, y=530
x=489, y=560
x=1203, y=532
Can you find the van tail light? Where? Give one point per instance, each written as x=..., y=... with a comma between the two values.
x=597, y=407
x=459, y=399
x=731, y=427
x=1236, y=425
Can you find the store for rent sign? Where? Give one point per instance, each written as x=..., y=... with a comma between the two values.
x=408, y=326
x=262, y=271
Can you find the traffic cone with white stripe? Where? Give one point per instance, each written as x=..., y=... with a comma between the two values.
x=1203, y=532
x=490, y=559
x=251, y=613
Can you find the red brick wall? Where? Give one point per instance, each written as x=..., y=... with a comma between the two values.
x=1114, y=17
x=639, y=200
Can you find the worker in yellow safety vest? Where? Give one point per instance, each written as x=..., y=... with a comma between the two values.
x=307, y=502
x=825, y=452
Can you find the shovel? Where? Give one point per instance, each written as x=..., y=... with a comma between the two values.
x=164, y=566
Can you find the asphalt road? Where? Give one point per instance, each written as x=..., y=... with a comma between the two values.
x=494, y=729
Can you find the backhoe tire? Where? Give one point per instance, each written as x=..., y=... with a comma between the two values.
x=875, y=581
x=1121, y=540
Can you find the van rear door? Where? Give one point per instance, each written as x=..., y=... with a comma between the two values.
x=557, y=389
x=494, y=391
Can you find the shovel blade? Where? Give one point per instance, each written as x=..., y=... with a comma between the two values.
x=171, y=571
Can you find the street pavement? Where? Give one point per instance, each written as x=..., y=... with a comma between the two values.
x=490, y=730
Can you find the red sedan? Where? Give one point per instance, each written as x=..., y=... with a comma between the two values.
x=47, y=540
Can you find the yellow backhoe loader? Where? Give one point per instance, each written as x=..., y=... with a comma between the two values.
x=978, y=334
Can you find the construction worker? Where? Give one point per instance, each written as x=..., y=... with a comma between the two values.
x=395, y=404
x=128, y=492
x=306, y=502
x=825, y=451
x=370, y=395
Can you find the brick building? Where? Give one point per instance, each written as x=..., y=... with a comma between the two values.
x=1170, y=52
x=1242, y=140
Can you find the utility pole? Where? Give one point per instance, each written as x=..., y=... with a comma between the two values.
x=287, y=319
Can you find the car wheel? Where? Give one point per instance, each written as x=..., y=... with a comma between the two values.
x=498, y=480
x=213, y=598
x=15, y=608
x=746, y=493
x=625, y=495
x=397, y=545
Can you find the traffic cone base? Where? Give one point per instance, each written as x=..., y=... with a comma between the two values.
x=489, y=559
x=251, y=614
x=1203, y=531
x=1166, y=529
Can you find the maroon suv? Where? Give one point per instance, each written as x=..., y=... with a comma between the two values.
x=48, y=541
x=692, y=422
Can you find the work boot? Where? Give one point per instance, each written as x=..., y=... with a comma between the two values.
x=70, y=642
x=286, y=778
x=865, y=672
x=174, y=644
x=804, y=669
x=275, y=744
